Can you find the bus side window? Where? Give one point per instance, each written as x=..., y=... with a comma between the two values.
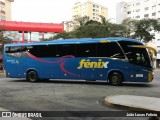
x=109, y=50
x=14, y=51
x=64, y=50
x=86, y=50
x=34, y=50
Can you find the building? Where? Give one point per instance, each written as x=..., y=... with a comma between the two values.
x=29, y=31
x=140, y=9
x=5, y=9
x=88, y=8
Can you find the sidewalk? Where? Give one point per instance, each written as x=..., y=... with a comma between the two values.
x=138, y=102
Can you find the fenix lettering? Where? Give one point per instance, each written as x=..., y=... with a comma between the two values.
x=92, y=64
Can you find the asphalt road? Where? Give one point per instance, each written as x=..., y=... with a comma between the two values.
x=63, y=95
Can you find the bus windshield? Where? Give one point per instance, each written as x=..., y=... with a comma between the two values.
x=138, y=56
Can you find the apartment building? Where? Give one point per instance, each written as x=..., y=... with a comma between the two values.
x=91, y=9
x=140, y=9
x=87, y=8
x=5, y=9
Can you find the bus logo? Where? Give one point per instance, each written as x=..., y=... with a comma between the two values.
x=92, y=64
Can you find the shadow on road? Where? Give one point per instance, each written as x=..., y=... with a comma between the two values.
x=129, y=84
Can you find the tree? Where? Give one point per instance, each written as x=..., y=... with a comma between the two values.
x=81, y=20
x=143, y=29
x=3, y=40
x=91, y=31
x=129, y=27
x=92, y=22
x=64, y=35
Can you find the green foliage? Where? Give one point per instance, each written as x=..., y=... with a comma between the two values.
x=81, y=20
x=139, y=29
x=129, y=27
x=3, y=40
x=92, y=31
x=92, y=22
x=144, y=27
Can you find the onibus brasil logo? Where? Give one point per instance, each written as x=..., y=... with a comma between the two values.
x=92, y=64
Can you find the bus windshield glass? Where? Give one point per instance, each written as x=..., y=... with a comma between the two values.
x=138, y=56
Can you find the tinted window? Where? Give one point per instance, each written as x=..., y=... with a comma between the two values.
x=52, y=50
x=63, y=50
x=109, y=50
x=86, y=50
x=47, y=50
x=13, y=51
x=137, y=56
x=34, y=50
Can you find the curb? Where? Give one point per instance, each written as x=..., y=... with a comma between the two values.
x=109, y=102
x=3, y=109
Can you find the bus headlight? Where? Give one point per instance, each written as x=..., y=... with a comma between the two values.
x=150, y=76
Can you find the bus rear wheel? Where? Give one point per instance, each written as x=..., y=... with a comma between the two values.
x=116, y=78
x=32, y=76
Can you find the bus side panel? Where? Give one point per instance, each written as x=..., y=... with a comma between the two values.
x=68, y=69
x=135, y=73
x=15, y=67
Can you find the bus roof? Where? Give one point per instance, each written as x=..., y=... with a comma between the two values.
x=75, y=41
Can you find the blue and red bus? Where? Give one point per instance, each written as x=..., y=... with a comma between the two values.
x=115, y=60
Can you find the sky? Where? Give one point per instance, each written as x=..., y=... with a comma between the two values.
x=52, y=11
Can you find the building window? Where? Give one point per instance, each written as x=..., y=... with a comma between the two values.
x=153, y=7
x=146, y=8
x=129, y=12
x=137, y=3
x=146, y=0
x=94, y=14
x=154, y=14
x=146, y=15
x=137, y=16
x=128, y=5
x=137, y=10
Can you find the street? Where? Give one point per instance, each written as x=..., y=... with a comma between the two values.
x=63, y=95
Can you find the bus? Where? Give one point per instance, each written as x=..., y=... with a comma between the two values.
x=115, y=60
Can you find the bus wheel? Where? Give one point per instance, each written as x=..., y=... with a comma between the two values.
x=32, y=76
x=116, y=78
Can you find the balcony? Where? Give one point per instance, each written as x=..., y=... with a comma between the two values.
x=2, y=3
x=2, y=12
x=11, y=0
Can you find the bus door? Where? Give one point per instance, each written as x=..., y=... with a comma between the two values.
x=139, y=57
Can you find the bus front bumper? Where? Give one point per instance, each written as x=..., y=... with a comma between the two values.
x=150, y=76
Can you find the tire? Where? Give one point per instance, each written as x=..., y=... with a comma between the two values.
x=32, y=76
x=116, y=78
